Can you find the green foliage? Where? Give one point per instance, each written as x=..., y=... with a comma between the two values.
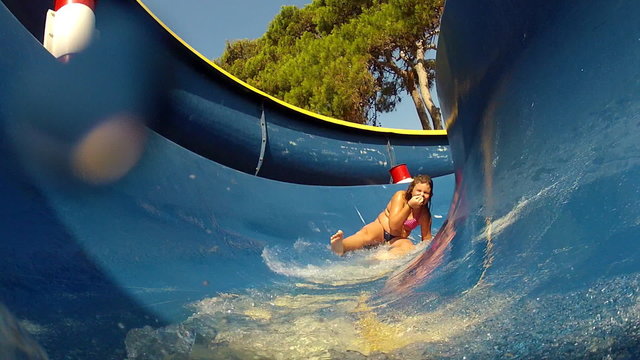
x=340, y=58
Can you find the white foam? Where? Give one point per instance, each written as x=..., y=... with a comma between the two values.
x=497, y=226
x=358, y=267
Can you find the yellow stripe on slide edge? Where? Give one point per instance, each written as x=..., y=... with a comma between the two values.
x=283, y=103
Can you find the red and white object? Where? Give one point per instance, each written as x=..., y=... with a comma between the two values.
x=400, y=174
x=69, y=27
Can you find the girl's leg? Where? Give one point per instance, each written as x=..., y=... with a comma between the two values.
x=370, y=234
x=398, y=248
x=401, y=246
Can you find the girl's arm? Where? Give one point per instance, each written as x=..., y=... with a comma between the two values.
x=399, y=211
x=425, y=225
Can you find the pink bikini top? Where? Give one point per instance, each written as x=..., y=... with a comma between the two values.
x=411, y=224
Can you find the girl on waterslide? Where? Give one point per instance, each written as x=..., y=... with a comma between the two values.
x=405, y=211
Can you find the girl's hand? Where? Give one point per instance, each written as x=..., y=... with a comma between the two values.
x=415, y=202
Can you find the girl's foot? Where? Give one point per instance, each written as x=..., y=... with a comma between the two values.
x=336, y=243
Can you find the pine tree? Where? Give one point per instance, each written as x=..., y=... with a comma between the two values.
x=350, y=59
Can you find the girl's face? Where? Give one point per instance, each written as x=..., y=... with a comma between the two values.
x=422, y=189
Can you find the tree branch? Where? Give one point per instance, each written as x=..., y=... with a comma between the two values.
x=395, y=68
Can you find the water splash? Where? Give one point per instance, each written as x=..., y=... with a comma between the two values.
x=359, y=267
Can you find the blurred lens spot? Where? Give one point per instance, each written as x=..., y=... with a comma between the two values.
x=109, y=150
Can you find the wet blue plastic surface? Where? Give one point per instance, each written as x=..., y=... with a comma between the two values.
x=538, y=256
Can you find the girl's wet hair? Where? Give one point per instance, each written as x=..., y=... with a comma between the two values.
x=420, y=179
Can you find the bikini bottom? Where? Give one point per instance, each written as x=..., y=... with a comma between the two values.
x=388, y=237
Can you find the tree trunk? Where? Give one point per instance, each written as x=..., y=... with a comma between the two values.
x=417, y=101
x=423, y=83
x=434, y=111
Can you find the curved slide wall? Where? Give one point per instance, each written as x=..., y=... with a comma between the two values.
x=209, y=103
x=219, y=117
x=537, y=258
x=85, y=263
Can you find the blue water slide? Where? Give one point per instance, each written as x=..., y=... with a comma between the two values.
x=540, y=248
x=88, y=256
x=537, y=256
x=223, y=119
x=259, y=134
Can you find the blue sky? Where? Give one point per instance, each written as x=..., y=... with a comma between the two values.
x=207, y=24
